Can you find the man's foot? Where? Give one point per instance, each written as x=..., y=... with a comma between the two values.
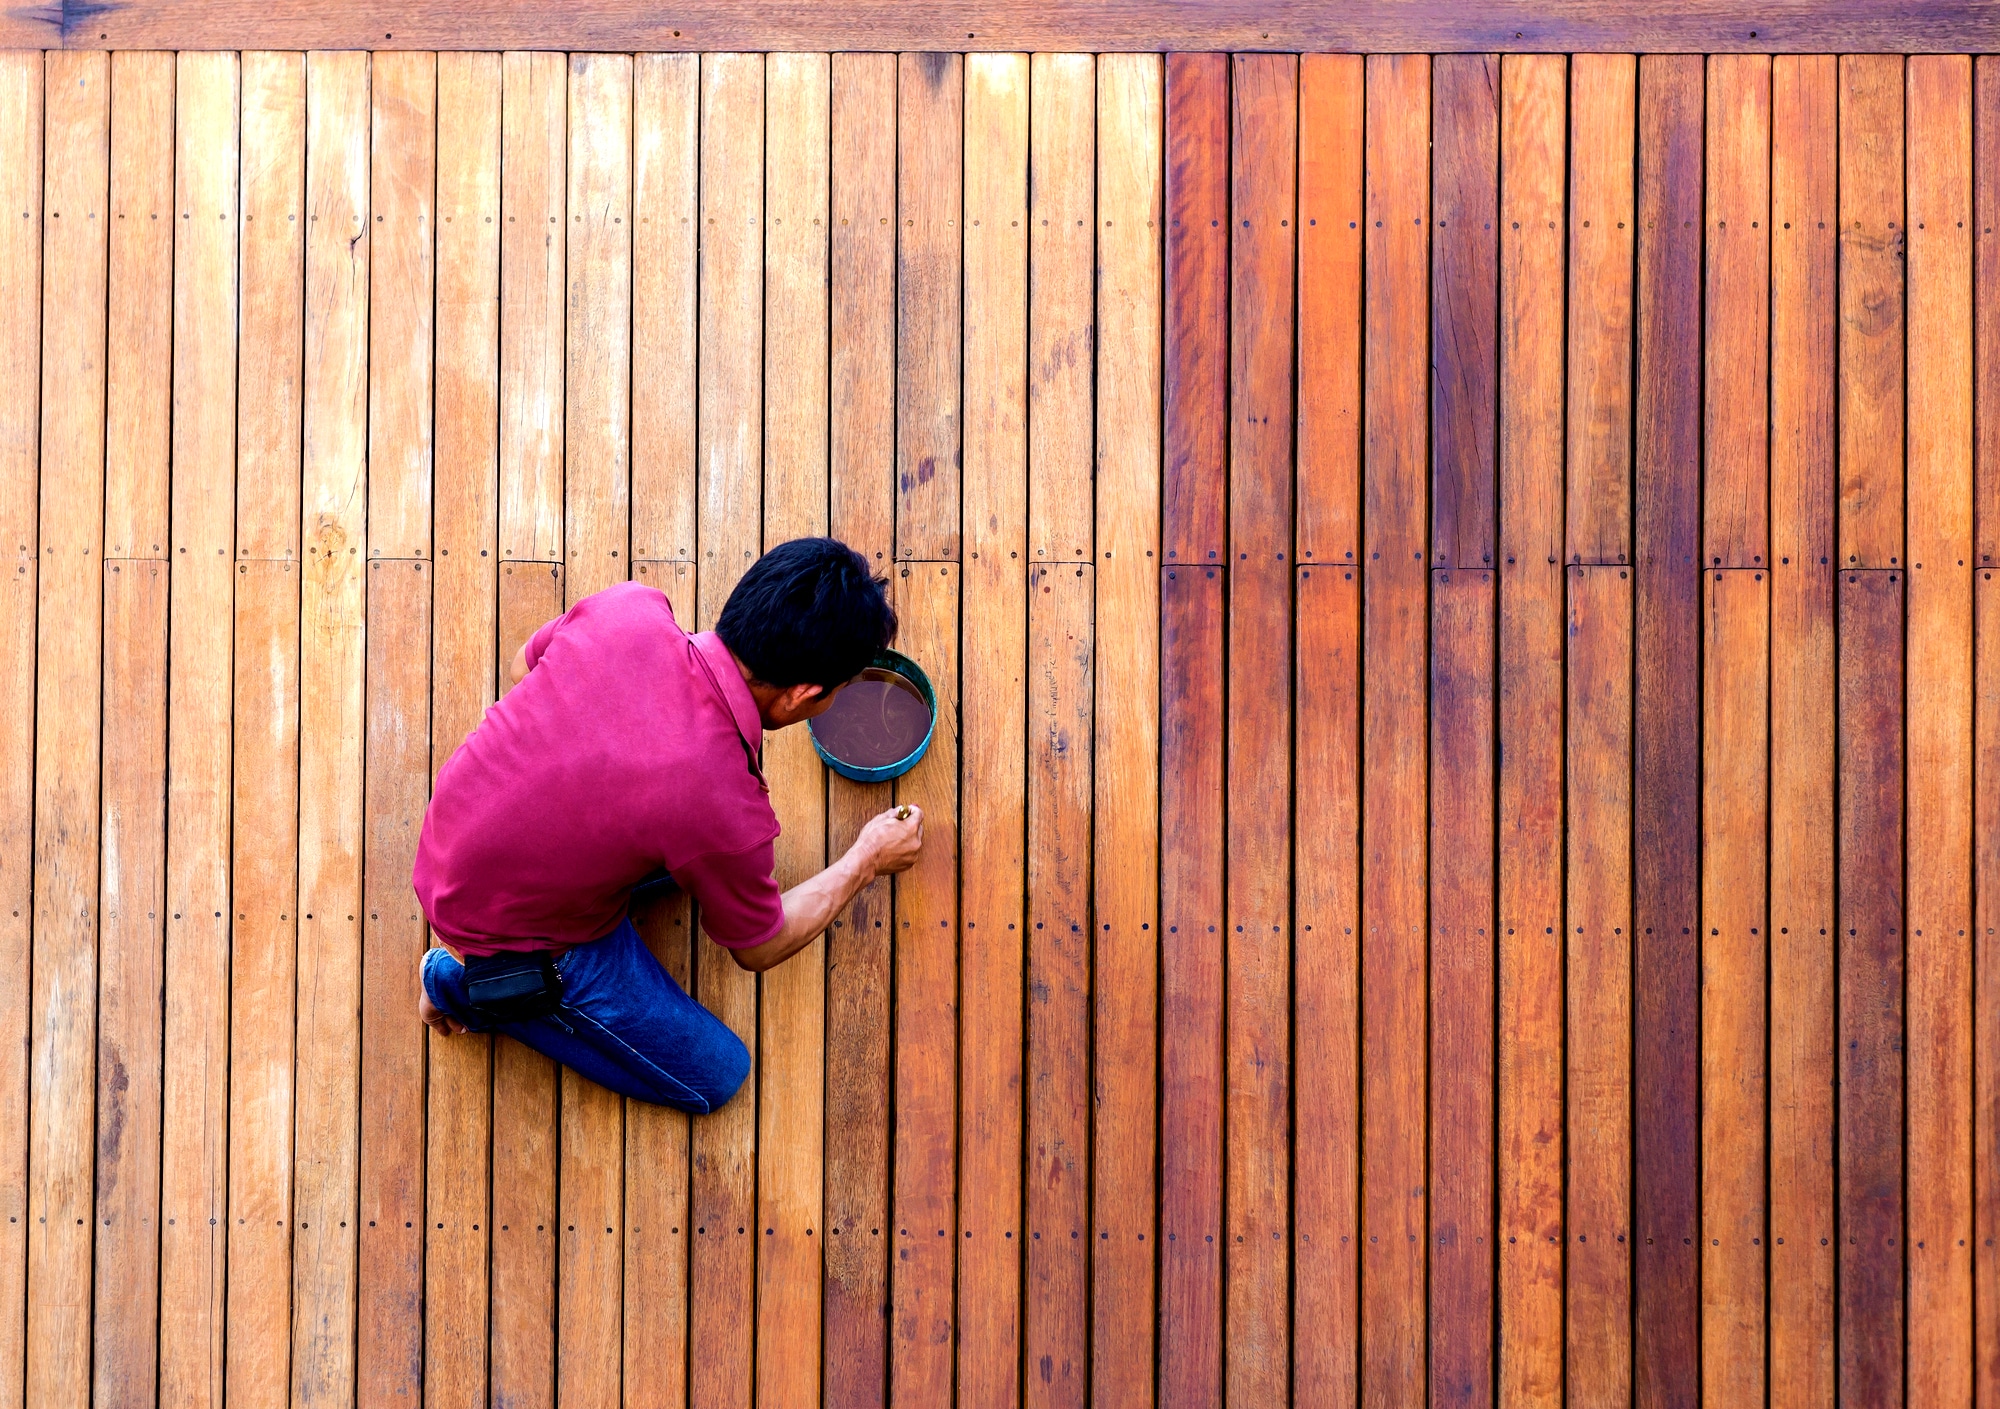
x=435, y=1018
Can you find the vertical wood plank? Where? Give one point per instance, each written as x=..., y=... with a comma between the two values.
x=533, y=253
x=924, y=1212
x=1804, y=136
x=1871, y=986
x=666, y=187
x=791, y=1100
x=1735, y=741
x=1939, y=709
x=1737, y=311
x=195, y=1033
x=1872, y=229
x=1126, y=785
x=1597, y=917
x=1986, y=765
x=1603, y=101
x=993, y=725
x=69, y=697
x=1986, y=308
x=862, y=506
x=930, y=99
x=1395, y=731
x=1531, y=1137
x=1465, y=369
x=331, y=729
x=1666, y=846
x=138, y=399
x=722, y=1267
x=1326, y=717
x=263, y=967
x=402, y=289
x=1062, y=130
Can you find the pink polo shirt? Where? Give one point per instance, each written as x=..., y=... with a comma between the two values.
x=629, y=747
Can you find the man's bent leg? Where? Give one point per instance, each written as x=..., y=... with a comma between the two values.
x=623, y=1022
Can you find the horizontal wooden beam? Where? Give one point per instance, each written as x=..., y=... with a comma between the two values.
x=1374, y=26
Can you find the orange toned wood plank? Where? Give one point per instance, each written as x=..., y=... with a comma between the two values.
x=331, y=724
x=1462, y=983
x=533, y=244
x=930, y=103
x=1062, y=144
x=1530, y=985
x=862, y=500
x=993, y=725
x=401, y=303
x=729, y=455
x=1126, y=787
x=1872, y=230
x=666, y=174
x=1872, y=946
x=1735, y=818
x=124, y=1342
x=1986, y=314
x=526, y=1134
x=924, y=1178
x=1737, y=307
x=1986, y=1016
x=463, y=624
x=138, y=360
x=263, y=980
x=792, y=1013
x=1465, y=196
x=1597, y=923
x=1939, y=710
x=273, y=236
x=1329, y=293
x=397, y=741
x=1060, y=746
x=1263, y=256
x=1666, y=861
x=68, y=702
x=1326, y=821
x=195, y=1034
x=1603, y=119
x=1395, y=627
x=1197, y=308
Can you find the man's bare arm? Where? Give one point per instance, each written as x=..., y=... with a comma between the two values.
x=518, y=667
x=888, y=844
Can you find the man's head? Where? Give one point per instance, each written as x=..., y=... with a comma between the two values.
x=804, y=620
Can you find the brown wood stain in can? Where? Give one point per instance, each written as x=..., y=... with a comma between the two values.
x=878, y=719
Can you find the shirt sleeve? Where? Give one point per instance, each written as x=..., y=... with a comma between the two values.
x=741, y=906
x=539, y=642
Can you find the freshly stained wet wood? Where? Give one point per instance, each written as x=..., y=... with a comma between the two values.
x=1395, y=732
x=1331, y=112
x=1196, y=331
x=1986, y=995
x=1737, y=311
x=1465, y=289
x=1986, y=308
x=1603, y=121
x=1530, y=689
x=1872, y=233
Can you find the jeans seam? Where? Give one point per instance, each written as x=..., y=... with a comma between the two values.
x=692, y=1094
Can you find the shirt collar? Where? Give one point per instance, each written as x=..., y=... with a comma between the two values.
x=728, y=681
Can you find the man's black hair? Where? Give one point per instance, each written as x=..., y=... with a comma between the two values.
x=809, y=612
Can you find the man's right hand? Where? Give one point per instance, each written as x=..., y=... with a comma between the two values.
x=891, y=842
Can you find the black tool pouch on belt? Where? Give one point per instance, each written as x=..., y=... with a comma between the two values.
x=513, y=988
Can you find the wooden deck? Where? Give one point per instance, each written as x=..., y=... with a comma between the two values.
x=1465, y=833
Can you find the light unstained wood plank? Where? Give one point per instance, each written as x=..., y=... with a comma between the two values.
x=1986, y=1015
x=263, y=979
x=1597, y=925
x=1871, y=1224
x=1737, y=312
x=1126, y=789
x=195, y=1035
x=924, y=1215
x=1603, y=119
x=139, y=359
x=930, y=171
x=1872, y=242
x=1804, y=132
x=402, y=302
x=526, y=1135
x=1061, y=329
x=1395, y=732
x=1666, y=802
x=125, y=1338
x=533, y=251
x=723, y=1266
x=993, y=726
x=666, y=176
x=464, y=627
x=68, y=704
x=1939, y=708
x=862, y=505
x=272, y=326
x=792, y=1014
x=1331, y=111
x=1530, y=983
x=1735, y=812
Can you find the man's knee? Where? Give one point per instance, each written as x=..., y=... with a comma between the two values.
x=729, y=1068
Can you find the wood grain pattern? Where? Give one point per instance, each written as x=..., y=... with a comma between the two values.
x=1465, y=291
x=271, y=329
x=1872, y=232
x=533, y=240
x=930, y=177
x=1986, y=312
x=666, y=192
x=1737, y=312
x=1603, y=102
x=1331, y=153
x=1197, y=307
x=1986, y=997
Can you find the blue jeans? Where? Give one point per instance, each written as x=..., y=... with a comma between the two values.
x=623, y=1022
